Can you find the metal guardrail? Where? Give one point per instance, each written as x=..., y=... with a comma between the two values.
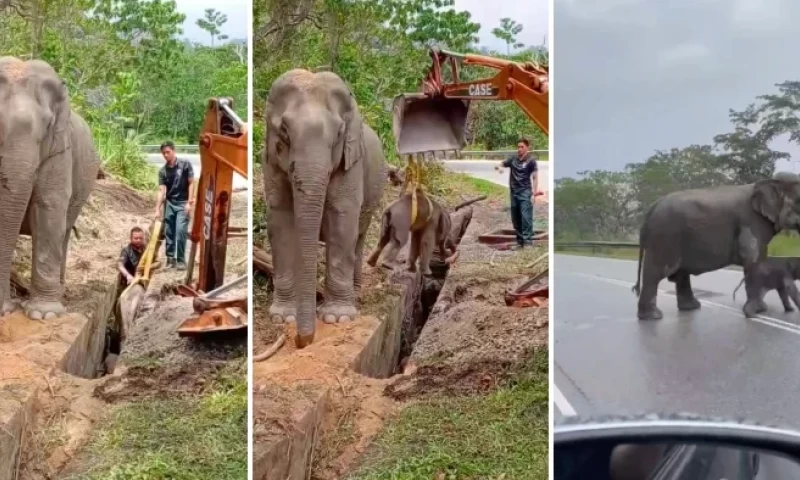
x=450, y=155
x=502, y=154
x=598, y=244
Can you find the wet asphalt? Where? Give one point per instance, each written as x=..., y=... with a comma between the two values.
x=712, y=361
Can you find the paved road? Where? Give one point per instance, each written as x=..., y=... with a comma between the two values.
x=484, y=169
x=711, y=361
x=157, y=159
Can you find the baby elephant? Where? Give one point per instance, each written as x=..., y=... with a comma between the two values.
x=431, y=229
x=773, y=273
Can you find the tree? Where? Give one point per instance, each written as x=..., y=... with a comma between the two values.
x=212, y=23
x=507, y=32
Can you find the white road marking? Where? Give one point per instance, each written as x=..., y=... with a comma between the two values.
x=772, y=322
x=561, y=403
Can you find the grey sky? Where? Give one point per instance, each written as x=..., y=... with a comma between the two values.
x=532, y=14
x=238, y=12
x=633, y=76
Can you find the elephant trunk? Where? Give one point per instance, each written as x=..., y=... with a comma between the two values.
x=19, y=159
x=309, y=201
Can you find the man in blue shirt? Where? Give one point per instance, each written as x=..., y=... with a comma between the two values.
x=175, y=203
x=521, y=183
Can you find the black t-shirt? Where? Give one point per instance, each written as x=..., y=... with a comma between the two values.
x=176, y=179
x=130, y=258
x=521, y=171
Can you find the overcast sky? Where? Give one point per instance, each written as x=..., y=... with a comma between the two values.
x=532, y=14
x=238, y=12
x=633, y=76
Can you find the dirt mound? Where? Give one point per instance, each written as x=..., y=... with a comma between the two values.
x=474, y=378
x=167, y=381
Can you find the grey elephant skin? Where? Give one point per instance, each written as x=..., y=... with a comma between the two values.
x=324, y=172
x=773, y=273
x=48, y=169
x=430, y=229
x=692, y=232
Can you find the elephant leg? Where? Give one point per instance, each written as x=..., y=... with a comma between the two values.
x=427, y=244
x=783, y=293
x=390, y=259
x=282, y=238
x=755, y=293
x=282, y=234
x=792, y=292
x=414, y=250
x=386, y=235
x=683, y=288
x=341, y=221
x=49, y=231
x=357, y=278
x=651, y=277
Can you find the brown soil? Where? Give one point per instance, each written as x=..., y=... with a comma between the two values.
x=162, y=381
x=159, y=362
x=456, y=357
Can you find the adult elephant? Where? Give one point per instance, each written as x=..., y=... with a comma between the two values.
x=48, y=168
x=324, y=171
x=692, y=232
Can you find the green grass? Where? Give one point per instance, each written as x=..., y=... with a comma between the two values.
x=504, y=432
x=192, y=438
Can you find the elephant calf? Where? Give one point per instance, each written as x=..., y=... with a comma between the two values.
x=773, y=273
x=48, y=168
x=431, y=228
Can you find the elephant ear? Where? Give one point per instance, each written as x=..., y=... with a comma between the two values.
x=354, y=148
x=60, y=129
x=768, y=199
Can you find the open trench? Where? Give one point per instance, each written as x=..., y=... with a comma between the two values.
x=84, y=358
x=382, y=356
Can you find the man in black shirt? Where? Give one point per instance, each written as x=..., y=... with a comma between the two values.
x=522, y=180
x=175, y=203
x=130, y=256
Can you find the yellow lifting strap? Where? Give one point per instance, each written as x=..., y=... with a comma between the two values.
x=145, y=264
x=414, y=175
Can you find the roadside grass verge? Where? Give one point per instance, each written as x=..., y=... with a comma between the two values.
x=502, y=433
x=195, y=437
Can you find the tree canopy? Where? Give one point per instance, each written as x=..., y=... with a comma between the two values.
x=380, y=48
x=128, y=71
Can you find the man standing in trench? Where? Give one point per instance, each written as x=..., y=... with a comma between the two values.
x=522, y=183
x=175, y=203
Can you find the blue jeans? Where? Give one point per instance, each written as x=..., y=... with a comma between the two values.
x=176, y=230
x=522, y=216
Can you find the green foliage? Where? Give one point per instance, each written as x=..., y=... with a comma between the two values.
x=603, y=205
x=184, y=437
x=212, y=23
x=380, y=48
x=128, y=72
x=507, y=32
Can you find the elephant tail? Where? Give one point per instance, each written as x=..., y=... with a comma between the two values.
x=737, y=288
x=642, y=240
x=637, y=288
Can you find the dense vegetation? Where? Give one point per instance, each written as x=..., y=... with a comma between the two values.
x=609, y=205
x=128, y=71
x=380, y=48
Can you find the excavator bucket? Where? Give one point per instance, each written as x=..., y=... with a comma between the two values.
x=422, y=123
